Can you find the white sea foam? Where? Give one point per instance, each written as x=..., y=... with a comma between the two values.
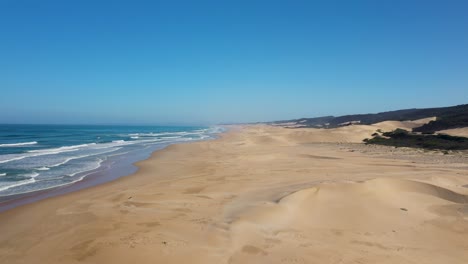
x=66, y=161
x=6, y=159
x=183, y=133
x=18, y=183
x=91, y=167
x=10, y=185
x=82, y=156
x=2, y=174
x=43, y=168
x=172, y=137
x=58, y=185
x=94, y=146
x=32, y=175
x=135, y=137
x=40, y=152
x=61, y=149
x=18, y=144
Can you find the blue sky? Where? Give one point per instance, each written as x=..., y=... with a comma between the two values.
x=189, y=62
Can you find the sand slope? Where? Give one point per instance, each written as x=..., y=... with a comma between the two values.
x=259, y=194
x=339, y=221
x=460, y=132
x=408, y=125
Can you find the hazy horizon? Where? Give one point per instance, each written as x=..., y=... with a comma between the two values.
x=202, y=124
x=211, y=62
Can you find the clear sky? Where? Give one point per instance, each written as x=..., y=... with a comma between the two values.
x=187, y=62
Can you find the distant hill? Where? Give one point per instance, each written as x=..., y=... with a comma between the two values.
x=447, y=118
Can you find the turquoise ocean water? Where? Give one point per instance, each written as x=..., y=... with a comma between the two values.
x=41, y=157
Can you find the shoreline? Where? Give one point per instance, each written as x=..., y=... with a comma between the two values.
x=97, y=177
x=258, y=194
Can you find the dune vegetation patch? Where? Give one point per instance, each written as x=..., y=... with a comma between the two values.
x=403, y=138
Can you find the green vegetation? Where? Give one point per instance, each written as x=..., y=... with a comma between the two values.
x=403, y=138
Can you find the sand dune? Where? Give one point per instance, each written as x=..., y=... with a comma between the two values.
x=460, y=132
x=374, y=214
x=258, y=194
x=346, y=134
x=408, y=125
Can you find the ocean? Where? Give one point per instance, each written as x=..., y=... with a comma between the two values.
x=41, y=157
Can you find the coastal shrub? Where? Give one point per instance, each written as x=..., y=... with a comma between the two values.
x=397, y=133
x=403, y=138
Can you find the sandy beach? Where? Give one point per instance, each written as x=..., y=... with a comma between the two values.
x=259, y=194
